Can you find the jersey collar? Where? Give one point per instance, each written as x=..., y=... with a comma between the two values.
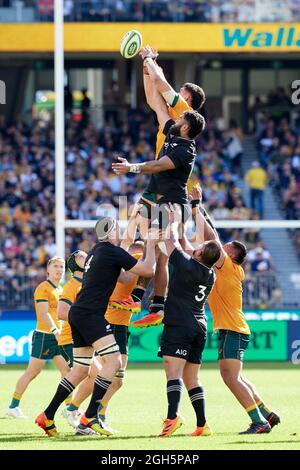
x=204, y=265
x=51, y=284
x=77, y=279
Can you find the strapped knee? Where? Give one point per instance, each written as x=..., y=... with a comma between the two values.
x=83, y=360
x=110, y=349
x=120, y=374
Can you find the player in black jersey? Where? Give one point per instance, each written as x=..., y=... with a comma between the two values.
x=170, y=174
x=90, y=331
x=184, y=334
x=171, y=171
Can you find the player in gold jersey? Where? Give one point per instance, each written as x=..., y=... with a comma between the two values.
x=75, y=264
x=46, y=335
x=225, y=302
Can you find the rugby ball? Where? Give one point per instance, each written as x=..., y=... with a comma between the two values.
x=131, y=44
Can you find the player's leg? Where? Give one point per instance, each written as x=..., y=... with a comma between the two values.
x=160, y=284
x=231, y=374
x=269, y=415
x=43, y=347
x=86, y=387
x=121, y=335
x=82, y=361
x=33, y=369
x=191, y=379
x=63, y=367
x=160, y=216
x=117, y=383
x=196, y=394
x=108, y=350
x=174, y=367
x=83, y=391
x=232, y=346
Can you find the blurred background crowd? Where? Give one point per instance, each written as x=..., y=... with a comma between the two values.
x=213, y=11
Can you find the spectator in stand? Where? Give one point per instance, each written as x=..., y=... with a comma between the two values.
x=68, y=10
x=257, y=179
x=260, y=263
x=45, y=10
x=233, y=149
x=259, y=248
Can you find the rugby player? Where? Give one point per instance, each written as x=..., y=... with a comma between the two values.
x=161, y=96
x=46, y=335
x=75, y=264
x=185, y=326
x=119, y=319
x=225, y=302
x=90, y=331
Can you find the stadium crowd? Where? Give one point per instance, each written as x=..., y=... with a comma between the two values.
x=214, y=11
x=279, y=150
x=27, y=188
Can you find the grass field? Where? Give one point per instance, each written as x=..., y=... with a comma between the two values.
x=138, y=409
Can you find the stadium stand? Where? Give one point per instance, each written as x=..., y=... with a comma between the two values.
x=215, y=11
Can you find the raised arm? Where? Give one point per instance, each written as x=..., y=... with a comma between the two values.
x=153, y=166
x=146, y=267
x=126, y=277
x=204, y=224
x=157, y=75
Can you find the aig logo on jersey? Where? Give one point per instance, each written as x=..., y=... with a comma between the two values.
x=181, y=352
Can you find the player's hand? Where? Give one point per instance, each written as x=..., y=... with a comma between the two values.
x=196, y=194
x=175, y=211
x=154, y=235
x=136, y=210
x=122, y=167
x=148, y=51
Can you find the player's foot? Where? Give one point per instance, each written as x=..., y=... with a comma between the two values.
x=152, y=319
x=73, y=417
x=100, y=427
x=85, y=431
x=16, y=412
x=47, y=425
x=257, y=428
x=202, y=431
x=129, y=305
x=170, y=426
x=273, y=419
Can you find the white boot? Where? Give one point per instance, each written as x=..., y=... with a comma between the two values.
x=16, y=413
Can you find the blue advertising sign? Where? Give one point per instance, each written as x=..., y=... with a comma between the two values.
x=15, y=340
x=293, y=341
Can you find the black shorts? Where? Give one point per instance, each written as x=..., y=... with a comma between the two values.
x=87, y=327
x=121, y=335
x=156, y=210
x=185, y=343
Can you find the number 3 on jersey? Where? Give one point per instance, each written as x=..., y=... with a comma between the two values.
x=88, y=264
x=202, y=290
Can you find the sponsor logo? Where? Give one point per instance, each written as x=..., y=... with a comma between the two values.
x=296, y=354
x=247, y=37
x=181, y=352
x=12, y=347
